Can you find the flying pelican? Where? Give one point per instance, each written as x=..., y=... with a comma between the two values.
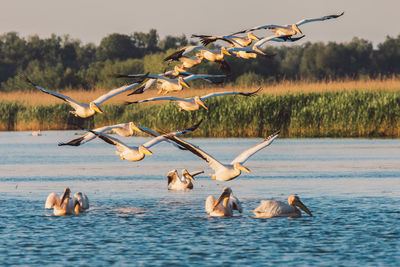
x=122, y=129
x=86, y=110
x=290, y=29
x=274, y=208
x=133, y=153
x=225, y=172
x=63, y=206
x=233, y=40
x=168, y=84
x=181, y=183
x=83, y=201
x=255, y=50
x=229, y=203
x=203, y=53
x=192, y=103
x=187, y=61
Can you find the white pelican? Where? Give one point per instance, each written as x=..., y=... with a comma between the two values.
x=204, y=53
x=290, y=29
x=274, y=208
x=225, y=172
x=133, y=153
x=192, y=103
x=86, y=110
x=187, y=61
x=233, y=40
x=36, y=133
x=63, y=206
x=168, y=84
x=181, y=183
x=122, y=129
x=229, y=203
x=83, y=201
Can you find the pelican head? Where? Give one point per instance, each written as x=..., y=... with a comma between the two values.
x=252, y=36
x=225, y=51
x=144, y=150
x=94, y=107
x=186, y=174
x=226, y=193
x=240, y=167
x=65, y=195
x=296, y=29
x=77, y=206
x=294, y=200
x=182, y=82
x=134, y=128
x=200, y=102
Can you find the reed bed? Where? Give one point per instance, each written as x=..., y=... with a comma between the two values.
x=346, y=113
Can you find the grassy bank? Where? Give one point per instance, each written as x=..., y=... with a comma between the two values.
x=320, y=114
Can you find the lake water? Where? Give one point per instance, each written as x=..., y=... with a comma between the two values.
x=352, y=187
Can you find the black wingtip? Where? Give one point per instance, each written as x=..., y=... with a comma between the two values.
x=139, y=90
x=24, y=77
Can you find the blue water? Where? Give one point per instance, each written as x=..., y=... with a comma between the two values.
x=352, y=187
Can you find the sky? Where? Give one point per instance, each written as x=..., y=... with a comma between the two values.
x=91, y=20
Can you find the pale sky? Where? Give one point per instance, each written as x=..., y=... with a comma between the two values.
x=91, y=20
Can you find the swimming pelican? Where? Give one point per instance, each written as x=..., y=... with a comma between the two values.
x=86, y=110
x=133, y=153
x=36, y=133
x=168, y=84
x=229, y=203
x=290, y=29
x=83, y=201
x=192, y=103
x=233, y=40
x=204, y=53
x=122, y=129
x=63, y=206
x=274, y=208
x=226, y=172
x=181, y=183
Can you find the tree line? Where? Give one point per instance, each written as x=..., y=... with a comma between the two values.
x=60, y=62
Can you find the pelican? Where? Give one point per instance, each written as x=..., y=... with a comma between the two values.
x=226, y=172
x=192, y=103
x=63, y=206
x=36, y=133
x=290, y=29
x=203, y=53
x=122, y=129
x=133, y=153
x=274, y=208
x=86, y=110
x=229, y=203
x=83, y=201
x=181, y=183
x=168, y=84
x=187, y=61
x=233, y=40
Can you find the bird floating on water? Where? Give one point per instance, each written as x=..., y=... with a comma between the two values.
x=225, y=172
x=67, y=205
x=224, y=205
x=275, y=208
x=181, y=183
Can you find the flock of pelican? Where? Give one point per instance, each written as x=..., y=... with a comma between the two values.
x=246, y=47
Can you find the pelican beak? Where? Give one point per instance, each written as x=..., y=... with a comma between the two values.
x=95, y=108
x=181, y=81
x=255, y=48
x=252, y=36
x=240, y=167
x=221, y=197
x=179, y=69
x=300, y=204
x=144, y=150
x=135, y=128
x=65, y=195
x=201, y=103
x=77, y=206
x=225, y=51
x=296, y=29
x=187, y=175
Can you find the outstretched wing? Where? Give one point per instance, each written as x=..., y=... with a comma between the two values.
x=161, y=138
x=171, y=98
x=114, y=92
x=230, y=93
x=110, y=140
x=304, y=21
x=207, y=39
x=245, y=155
x=196, y=173
x=262, y=27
